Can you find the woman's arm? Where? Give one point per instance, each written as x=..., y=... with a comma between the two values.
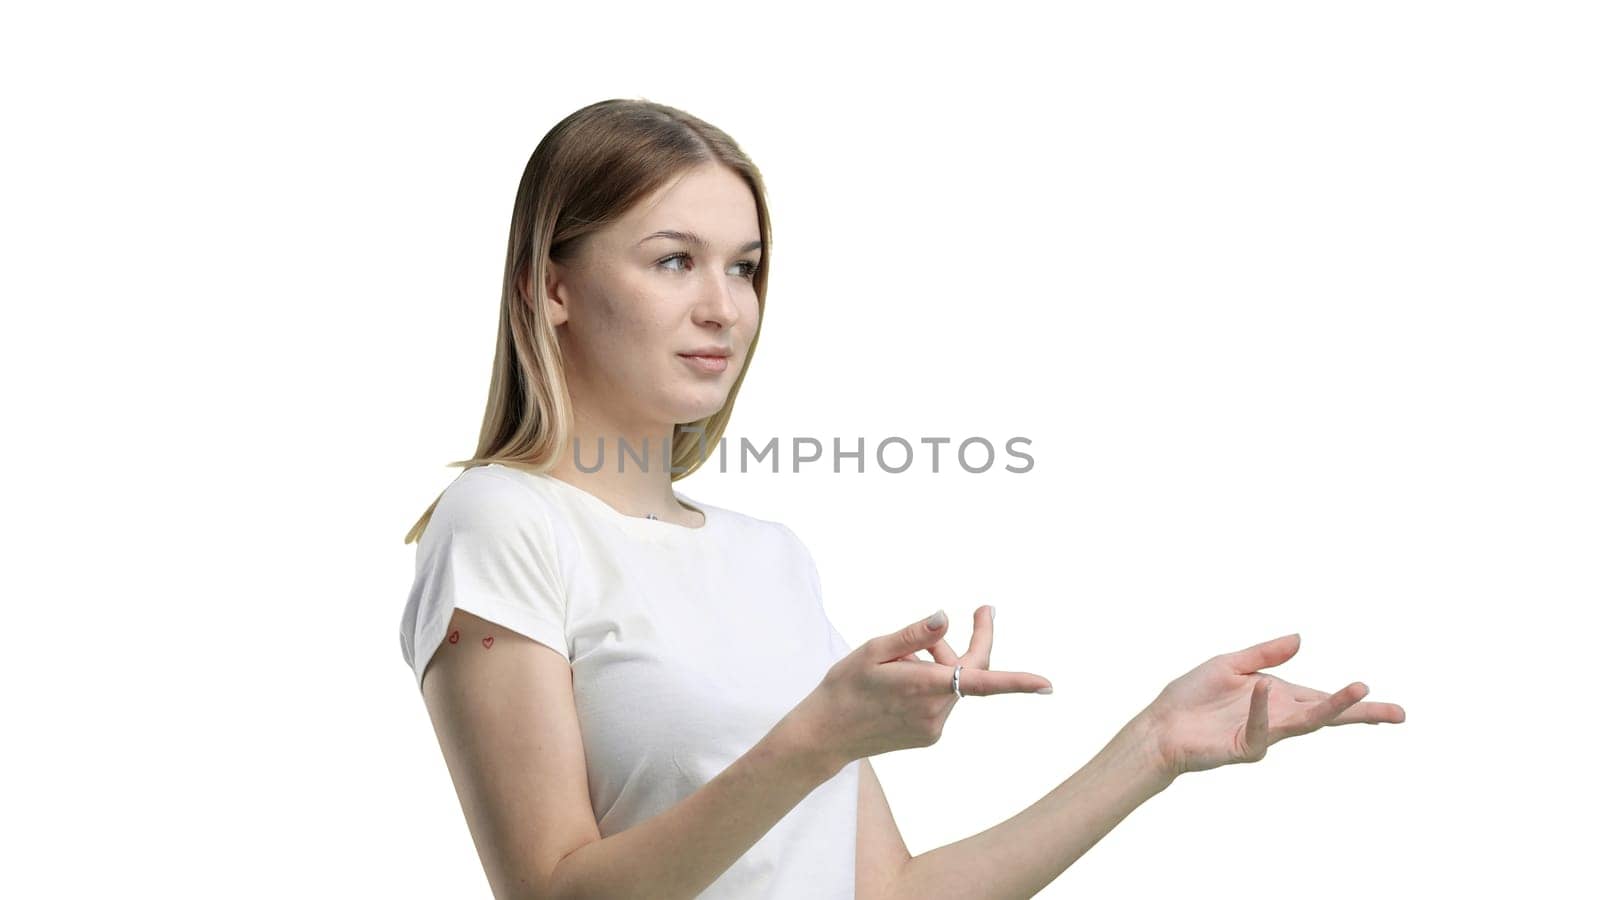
x=1021, y=855
x=681, y=851
x=1224, y=711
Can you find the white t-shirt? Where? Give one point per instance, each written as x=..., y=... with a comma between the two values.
x=687, y=646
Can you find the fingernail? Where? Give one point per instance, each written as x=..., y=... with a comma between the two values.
x=991, y=612
x=937, y=620
x=1045, y=690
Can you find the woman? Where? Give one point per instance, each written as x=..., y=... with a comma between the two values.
x=640, y=695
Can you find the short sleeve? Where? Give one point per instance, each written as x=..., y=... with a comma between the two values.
x=488, y=549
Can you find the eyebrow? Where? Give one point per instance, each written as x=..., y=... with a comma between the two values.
x=689, y=237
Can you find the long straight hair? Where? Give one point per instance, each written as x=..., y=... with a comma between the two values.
x=589, y=170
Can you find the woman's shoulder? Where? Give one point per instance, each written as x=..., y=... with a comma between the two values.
x=495, y=496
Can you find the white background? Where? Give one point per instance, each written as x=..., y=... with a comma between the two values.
x=1296, y=303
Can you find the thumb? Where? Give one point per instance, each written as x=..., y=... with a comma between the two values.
x=918, y=636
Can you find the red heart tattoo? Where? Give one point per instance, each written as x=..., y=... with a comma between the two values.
x=488, y=642
x=455, y=636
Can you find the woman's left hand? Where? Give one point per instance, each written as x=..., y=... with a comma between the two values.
x=1226, y=710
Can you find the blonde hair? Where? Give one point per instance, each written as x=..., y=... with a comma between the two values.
x=590, y=169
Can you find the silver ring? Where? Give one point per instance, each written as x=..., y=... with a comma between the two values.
x=955, y=682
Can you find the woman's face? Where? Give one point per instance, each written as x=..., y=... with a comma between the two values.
x=634, y=304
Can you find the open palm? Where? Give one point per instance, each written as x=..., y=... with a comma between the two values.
x=1226, y=710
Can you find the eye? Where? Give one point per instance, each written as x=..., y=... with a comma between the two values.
x=749, y=274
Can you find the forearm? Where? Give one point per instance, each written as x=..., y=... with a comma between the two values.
x=1021, y=855
x=681, y=851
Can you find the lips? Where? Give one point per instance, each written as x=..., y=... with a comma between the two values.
x=711, y=362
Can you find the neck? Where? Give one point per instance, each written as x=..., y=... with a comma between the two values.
x=632, y=474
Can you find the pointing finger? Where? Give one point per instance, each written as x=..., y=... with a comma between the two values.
x=985, y=682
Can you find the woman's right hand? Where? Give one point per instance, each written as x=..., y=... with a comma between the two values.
x=874, y=701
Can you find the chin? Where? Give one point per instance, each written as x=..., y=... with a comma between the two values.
x=694, y=412
x=695, y=415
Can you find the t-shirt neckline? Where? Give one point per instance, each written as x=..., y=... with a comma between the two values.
x=641, y=523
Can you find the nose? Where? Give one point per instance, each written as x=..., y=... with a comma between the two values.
x=715, y=305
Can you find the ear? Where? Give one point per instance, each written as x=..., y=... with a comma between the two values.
x=554, y=296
